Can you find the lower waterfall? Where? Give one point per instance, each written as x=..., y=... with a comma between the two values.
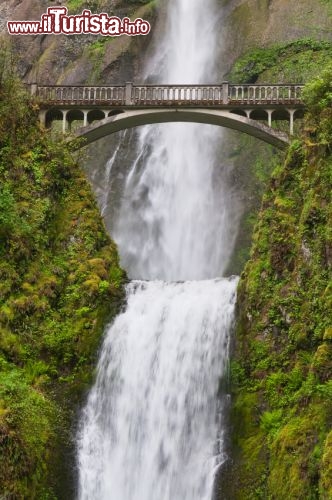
x=150, y=428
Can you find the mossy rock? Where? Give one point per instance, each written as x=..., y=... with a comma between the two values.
x=282, y=388
x=57, y=270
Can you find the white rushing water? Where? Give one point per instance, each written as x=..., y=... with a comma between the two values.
x=178, y=218
x=153, y=426
x=151, y=420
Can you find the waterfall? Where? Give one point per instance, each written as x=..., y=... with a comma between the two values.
x=151, y=421
x=186, y=223
x=153, y=426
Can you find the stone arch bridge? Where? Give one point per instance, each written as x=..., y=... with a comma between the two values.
x=104, y=110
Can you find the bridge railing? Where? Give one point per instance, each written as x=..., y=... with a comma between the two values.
x=82, y=94
x=257, y=94
x=177, y=94
x=168, y=95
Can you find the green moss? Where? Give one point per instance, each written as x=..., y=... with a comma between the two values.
x=281, y=385
x=296, y=61
x=295, y=455
x=325, y=486
x=27, y=422
x=60, y=283
x=248, y=474
x=77, y=6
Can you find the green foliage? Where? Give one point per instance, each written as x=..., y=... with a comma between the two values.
x=296, y=61
x=292, y=61
x=318, y=96
x=283, y=362
x=27, y=422
x=60, y=282
x=271, y=421
x=97, y=48
x=77, y=6
x=318, y=93
x=9, y=218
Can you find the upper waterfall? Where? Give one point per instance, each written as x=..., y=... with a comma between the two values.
x=178, y=216
x=188, y=50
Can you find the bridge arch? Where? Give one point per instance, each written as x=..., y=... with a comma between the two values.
x=96, y=115
x=115, y=112
x=139, y=117
x=75, y=118
x=51, y=115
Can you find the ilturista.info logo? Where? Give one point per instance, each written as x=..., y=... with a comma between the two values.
x=57, y=22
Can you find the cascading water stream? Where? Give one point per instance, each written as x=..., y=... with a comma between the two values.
x=178, y=218
x=151, y=420
x=152, y=428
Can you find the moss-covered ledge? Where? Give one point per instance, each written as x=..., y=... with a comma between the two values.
x=60, y=282
x=282, y=364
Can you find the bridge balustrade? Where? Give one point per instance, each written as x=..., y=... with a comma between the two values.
x=82, y=95
x=150, y=95
x=261, y=94
x=176, y=94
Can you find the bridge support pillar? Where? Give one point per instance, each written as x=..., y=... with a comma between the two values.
x=291, y=120
x=64, y=120
x=269, y=115
x=42, y=117
x=33, y=88
x=248, y=112
x=85, y=119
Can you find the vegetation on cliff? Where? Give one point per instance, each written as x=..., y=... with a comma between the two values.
x=297, y=61
x=292, y=62
x=281, y=372
x=60, y=281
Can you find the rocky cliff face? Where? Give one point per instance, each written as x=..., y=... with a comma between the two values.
x=89, y=59
x=263, y=42
x=262, y=23
x=283, y=357
x=76, y=59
